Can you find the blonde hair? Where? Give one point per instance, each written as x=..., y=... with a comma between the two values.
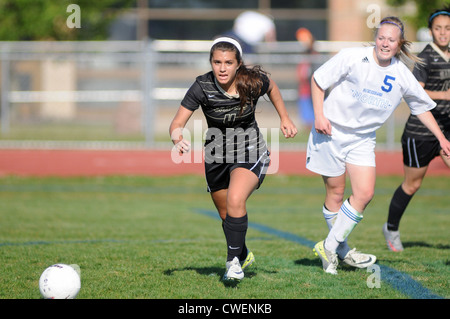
x=404, y=54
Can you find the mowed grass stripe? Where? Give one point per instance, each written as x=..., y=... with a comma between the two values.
x=398, y=280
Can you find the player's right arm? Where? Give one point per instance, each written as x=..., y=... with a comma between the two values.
x=321, y=123
x=176, y=129
x=430, y=122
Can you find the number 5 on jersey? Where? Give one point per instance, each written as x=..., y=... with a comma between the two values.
x=388, y=86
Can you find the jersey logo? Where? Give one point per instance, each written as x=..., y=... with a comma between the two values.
x=365, y=60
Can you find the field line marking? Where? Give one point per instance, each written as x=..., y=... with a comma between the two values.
x=96, y=241
x=395, y=278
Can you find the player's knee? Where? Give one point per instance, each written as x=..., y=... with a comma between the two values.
x=235, y=203
x=335, y=194
x=364, y=197
x=411, y=187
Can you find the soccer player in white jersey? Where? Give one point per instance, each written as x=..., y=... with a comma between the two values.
x=419, y=145
x=367, y=84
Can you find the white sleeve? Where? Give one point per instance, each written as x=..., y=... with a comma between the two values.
x=416, y=97
x=333, y=70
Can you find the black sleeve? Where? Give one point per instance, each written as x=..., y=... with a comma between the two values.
x=266, y=84
x=193, y=98
x=420, y=71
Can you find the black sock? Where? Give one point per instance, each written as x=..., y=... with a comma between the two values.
x=397, y=207
x=235, y=230
x=243, y=255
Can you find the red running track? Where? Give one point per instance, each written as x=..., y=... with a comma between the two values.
x=65, y=163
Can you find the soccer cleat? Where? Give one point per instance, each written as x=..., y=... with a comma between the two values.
x=392, y=239
x=329, y=259
x=357, y=259
x=233, y=270
x=248, y=261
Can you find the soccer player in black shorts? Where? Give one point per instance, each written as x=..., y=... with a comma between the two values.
x=236, y=155
x=419, y=145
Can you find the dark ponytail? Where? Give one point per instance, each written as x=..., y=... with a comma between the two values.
x=249, y=84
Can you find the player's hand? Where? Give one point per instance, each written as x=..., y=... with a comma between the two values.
x=322, y=126
x=288, y=128
x=445, y=145
x=183, y=146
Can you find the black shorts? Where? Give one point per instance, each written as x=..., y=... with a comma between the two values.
x=419, y=153
x=218, y=174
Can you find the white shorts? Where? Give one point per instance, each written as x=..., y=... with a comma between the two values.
x=327, y=155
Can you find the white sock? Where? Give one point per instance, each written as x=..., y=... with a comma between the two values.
x=346, y=220
x=330, y=218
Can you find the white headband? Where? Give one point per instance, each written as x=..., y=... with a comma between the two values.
x=229, y=40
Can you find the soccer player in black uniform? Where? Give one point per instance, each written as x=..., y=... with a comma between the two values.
x=418, y=143
x=236, y=155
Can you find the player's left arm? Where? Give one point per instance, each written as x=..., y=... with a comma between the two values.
x=287, y=126
x=437, y=95
x=430, y=122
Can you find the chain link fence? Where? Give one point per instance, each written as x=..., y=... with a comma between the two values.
x=116, y=94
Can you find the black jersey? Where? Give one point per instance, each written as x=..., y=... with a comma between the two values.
x=232, y=136
x=436, y=76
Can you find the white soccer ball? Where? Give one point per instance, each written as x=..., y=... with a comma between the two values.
x=59, y=281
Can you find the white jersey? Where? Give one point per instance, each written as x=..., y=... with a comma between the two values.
x=364, y=94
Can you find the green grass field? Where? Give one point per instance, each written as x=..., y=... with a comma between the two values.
x=151, y=238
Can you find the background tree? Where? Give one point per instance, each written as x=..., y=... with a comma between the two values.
x=23, y=20
x=424, y=8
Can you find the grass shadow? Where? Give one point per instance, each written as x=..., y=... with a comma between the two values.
x=424, y=244
x=212, y=272
x=316, y=263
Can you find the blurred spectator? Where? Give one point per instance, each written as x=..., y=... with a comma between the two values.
x=251, y=28
x=305, y=69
